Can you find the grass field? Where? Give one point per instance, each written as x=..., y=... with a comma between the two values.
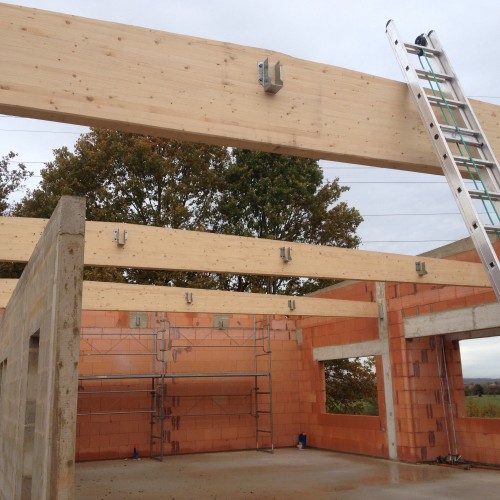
x=484, y=406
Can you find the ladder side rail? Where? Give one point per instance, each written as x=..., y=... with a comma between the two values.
x=489, y=177
x=270, y=384
x=452, y=173
x=467, y=112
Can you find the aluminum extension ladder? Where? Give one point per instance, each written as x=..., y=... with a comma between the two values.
x=459, y=141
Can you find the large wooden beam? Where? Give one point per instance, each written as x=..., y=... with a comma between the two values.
x=64, y=68
x=99, y=296
x=161, y=248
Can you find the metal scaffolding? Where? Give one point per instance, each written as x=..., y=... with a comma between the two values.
x=163, y=345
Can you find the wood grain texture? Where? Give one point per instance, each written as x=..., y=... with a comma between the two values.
x=99, y=296
x=64, y=68
x=173, y=249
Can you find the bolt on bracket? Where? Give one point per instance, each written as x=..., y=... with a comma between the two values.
x=286, y=254
x=291, y=304
x=189, y=297
x=266, y=81
x=420, y=268
x=120, y=237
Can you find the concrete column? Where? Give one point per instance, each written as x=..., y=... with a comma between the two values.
x=383, y=332
x=39, y=355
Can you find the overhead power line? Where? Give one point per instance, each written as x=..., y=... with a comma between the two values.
x=39, y=131
x=406, y=241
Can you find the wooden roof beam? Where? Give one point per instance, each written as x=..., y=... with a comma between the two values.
x=100, y=296
x=70, y=69
x=150, y=247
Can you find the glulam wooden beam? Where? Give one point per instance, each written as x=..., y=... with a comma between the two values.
x=69, y=69
x=100, y=296
x=173, y=249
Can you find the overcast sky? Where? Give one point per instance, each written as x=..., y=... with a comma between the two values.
x=404, y=212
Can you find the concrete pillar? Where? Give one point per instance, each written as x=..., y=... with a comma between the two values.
x=39, y=353
x=383, y=329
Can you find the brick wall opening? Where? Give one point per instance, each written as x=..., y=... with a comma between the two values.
x=481, y=384
x=351, y=386
x=30, y=413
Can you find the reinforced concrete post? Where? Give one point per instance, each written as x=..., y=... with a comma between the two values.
x=383, y=332
x=39, y=355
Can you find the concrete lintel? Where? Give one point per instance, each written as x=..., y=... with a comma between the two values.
x=476, y=334
x=472, y=322
x=356, y=350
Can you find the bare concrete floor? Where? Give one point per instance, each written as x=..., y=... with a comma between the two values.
x=289, y=473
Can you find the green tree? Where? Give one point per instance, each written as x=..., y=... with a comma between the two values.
x=136, y=179
x=351, y=386
x=146, y=180
x=133, y=178
x=11, y=180
x=478, y=390
x=267, y=195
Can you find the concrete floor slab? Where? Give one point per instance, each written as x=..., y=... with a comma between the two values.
x=289, y=473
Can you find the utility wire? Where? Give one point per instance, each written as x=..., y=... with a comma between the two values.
x=39, y=131
x=406, y=241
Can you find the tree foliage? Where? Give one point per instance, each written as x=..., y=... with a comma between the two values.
x=351, y=386
x=11, y=179
x=133, y=178
x=280, y=197
x=145, y=180
x=478, y=390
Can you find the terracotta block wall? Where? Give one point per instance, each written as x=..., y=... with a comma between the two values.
x=203, y=414
x=350, y=433
x=419, y=415
x=299, y=393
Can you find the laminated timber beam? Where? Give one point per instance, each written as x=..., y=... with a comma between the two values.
x=69, y=69
x=100, y=296
x=179, y=250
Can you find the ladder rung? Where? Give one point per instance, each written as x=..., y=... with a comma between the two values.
x=463, y=134
x=422, y=73
x=415, y=49
x=489, y=228
x=263, y=411
x=453, y=103
x=259, y=392
x=463, y=131
x=483, y=195
x=478, y=161
x=264, y=430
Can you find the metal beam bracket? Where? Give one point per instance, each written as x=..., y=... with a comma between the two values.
x=286, y=254
x=189, y=297
x=291, y=305
x=121, y=237
x=420, y=268
x=266, y=81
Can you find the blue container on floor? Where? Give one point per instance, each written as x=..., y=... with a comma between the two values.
x=303, y=439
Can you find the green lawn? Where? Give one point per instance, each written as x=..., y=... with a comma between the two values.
x=483, y=406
